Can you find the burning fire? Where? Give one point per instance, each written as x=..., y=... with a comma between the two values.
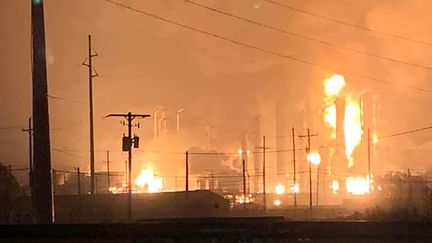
x=358, y=185
x=277, y=202
x=279, y=189
x=314, y=158
x=352, y=120
x=334, y=84
x=295, y=188
x=148, y=182
x=335, y=186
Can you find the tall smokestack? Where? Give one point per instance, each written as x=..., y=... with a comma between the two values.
x=42, y=149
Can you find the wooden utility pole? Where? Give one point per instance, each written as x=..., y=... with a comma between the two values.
x=264, y=172
x=187, y=172
x=294, y=167
x=90, y=77
x=42, y=146
x=128, y=146
x=308, y=136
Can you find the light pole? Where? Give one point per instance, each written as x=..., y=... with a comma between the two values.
x=178, y=119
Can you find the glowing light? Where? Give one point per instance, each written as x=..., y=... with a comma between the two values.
x=118, y=189
x=352, y=120
x=330, y=117
x=352, y=128
x=148, y=181
x=357, y=185
x=295, y=188
x=314, y=158
x=241, y=199
x=240, y=152
x=280, y=189
x=334, y=84
x=335, y=186
x=277, y=202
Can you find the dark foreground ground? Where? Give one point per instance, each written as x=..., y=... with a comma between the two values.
x=271, y=229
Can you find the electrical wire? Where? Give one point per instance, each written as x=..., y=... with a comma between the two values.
x=253, y=47
x=389, y=59
x=361, y=27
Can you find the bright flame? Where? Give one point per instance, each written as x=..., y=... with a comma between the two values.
x=352, y=128
x=330, y=118
x=147, y=179
x=295, y=188
x=352, y=120
x=277, y=202
x=280, y=189
x=241, y=199
x=357, y=185
x=334, y=84
x=314, y=158
x=240, y=152
x=335, y=186
x=118, y=189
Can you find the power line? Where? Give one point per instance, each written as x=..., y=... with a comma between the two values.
x=66, y=99
x=274, y=53
x=406, y=132
x=389, y=59
x=361, y=27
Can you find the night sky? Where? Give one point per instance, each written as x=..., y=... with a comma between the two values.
x=144, y=62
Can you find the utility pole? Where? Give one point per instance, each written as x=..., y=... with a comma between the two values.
x=308, y=136
x=187, y=171
x=369, y=162
x=108, y=169
x=127, y=146
x=29, y=130
x=90, y=77
x=264, y=172
x=41, y=132
x=78, y=180
x=294, y=167
x=244, y=183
